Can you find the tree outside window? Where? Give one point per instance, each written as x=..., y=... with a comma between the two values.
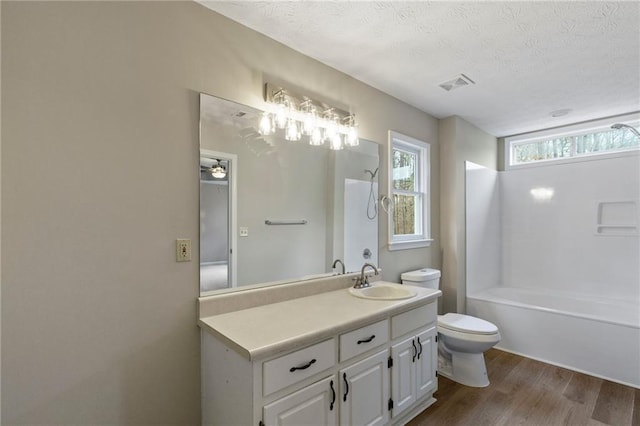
x=409, y=172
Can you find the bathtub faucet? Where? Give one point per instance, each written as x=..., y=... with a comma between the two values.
x=363, y=281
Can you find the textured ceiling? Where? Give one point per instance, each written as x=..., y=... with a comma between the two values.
x=526, y=58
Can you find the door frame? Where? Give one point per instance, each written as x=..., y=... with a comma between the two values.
x=233, y=211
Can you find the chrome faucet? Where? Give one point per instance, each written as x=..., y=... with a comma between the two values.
x=363, y=281
x=335, y=262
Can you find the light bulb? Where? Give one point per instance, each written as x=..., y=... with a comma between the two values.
x=331, y=131
x=336, y=142
x=281, y=115
x=309, y=123
x=266, y=124
x=316, y=137
x=292, y=133
x=352, y=137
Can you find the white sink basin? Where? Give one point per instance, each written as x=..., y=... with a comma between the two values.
x=383, y=290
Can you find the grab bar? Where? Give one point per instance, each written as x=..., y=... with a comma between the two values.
x=285, y=222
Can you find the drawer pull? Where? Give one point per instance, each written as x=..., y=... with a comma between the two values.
x=373, y=336
x=333, y=396
x=419, y=347
x=304, y=367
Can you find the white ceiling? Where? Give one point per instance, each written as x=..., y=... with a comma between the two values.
x=526, y=58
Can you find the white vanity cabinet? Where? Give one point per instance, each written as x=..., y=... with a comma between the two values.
x=414, y=354
x=379, y=373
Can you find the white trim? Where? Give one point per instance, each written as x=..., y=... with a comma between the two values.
x=571, y=130
x=583, y=157
x=404, y=245
x=423, y=149
x=233, y=210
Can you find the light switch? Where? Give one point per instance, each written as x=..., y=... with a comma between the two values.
x=244, y=231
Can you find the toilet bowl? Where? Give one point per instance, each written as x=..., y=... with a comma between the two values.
x=462, y=339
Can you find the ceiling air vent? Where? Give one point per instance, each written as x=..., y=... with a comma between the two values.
x=458, y=81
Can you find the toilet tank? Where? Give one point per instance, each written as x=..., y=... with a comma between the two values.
x=425, y=277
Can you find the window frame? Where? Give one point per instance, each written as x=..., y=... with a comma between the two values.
x=570, y=131
x=422, y=150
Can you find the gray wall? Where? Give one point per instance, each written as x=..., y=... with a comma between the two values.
x=460, y=141
x=98, y=320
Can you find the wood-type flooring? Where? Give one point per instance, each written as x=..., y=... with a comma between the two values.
x=528, y=392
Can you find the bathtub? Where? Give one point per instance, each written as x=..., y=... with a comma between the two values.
x=595, y=336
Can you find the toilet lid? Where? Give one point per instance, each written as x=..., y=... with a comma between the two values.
x=466, y=324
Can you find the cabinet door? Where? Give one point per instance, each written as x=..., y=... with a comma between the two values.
x=403, y=376
x=364, y=392
x=426, y=362
x=314, y=405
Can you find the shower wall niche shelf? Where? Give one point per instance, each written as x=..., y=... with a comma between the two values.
x=618, y=217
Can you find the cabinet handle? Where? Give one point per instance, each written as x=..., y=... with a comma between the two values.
x=333, y=396
x=346, y=385
x=304, y=367
x=373, y=336
x=419, y=347
x=415, y=350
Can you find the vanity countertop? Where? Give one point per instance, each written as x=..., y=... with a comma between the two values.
x=263, y=331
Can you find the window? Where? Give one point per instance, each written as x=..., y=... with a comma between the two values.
x=574, y=142
x=408, y=188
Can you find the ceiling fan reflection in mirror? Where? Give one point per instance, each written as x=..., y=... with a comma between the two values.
x=213, y=168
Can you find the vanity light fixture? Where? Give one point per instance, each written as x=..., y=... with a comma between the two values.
x=300, y=115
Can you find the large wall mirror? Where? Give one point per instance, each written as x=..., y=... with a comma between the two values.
x=274, y=211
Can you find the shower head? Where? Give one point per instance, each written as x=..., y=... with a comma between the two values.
x=373, y=174
x=619, y=126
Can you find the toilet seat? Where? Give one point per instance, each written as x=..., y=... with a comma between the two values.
x=466, y=324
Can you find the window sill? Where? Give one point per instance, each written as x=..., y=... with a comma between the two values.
x=405, y=245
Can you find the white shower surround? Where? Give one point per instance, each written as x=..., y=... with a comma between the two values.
x=558, y=291
x=360, y=232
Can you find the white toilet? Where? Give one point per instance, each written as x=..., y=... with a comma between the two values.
x=462, y=339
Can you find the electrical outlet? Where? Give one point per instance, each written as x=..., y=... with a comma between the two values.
x=244, y=231
x=183, y=250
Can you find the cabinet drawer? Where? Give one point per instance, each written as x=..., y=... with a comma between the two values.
x=413, y=319
x=289, y=369
x=361, y=340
